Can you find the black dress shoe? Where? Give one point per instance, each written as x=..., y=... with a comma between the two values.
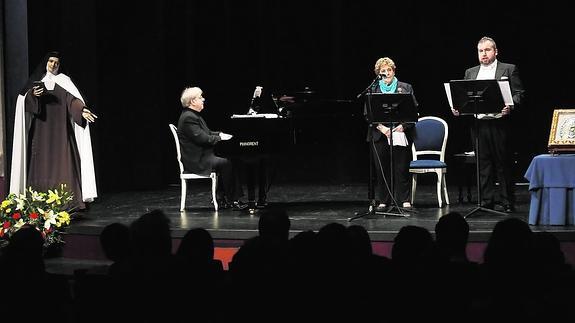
x=382, y=207
x=222, y=204
x=239, y=205
x=261, y=204
x=508, y=208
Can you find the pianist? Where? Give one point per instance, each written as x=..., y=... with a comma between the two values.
x=197, y=142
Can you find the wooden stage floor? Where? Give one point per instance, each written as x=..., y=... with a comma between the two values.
x=309, y=207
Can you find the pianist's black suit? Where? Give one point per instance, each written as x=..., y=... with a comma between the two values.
x=197, y=142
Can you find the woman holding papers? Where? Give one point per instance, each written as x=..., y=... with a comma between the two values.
x=380, y=134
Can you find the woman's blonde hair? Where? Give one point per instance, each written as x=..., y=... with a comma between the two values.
x=383, y=61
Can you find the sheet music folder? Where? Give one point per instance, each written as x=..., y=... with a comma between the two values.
x=476, y=96
x=390, y=107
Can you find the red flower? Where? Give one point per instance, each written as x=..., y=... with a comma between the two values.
x=16, y=216
x=33, y=216
x=6, y=225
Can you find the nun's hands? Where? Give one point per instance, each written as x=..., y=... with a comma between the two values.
x=88, y=115
x=37, y=91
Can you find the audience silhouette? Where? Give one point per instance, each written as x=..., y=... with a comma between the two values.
x=25, y=281
x=275, y=278
x=258, y=269
x=451, y=235
x=115, y=242
x=457, y=277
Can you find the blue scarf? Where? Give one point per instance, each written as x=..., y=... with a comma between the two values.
x=391, y=88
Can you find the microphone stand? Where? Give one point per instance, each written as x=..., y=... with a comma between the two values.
x=370, y=86
x=371, y=194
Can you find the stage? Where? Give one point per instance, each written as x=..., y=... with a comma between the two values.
x=309, y=206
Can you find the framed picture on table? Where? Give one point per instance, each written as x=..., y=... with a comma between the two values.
x=562, y=136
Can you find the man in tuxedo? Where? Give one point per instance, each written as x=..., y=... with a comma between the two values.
x=197, y=143
x=492, y=129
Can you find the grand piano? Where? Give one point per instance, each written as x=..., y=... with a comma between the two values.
x=257, y=135
x=258, y=140
x=308, y=138
x=263, y=131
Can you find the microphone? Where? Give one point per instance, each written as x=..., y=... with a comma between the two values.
x=373, y=84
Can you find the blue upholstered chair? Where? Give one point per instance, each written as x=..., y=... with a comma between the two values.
x=428, y=150
x=187, y=176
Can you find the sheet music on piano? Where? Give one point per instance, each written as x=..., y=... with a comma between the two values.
x=259, y=115
x=259, y=131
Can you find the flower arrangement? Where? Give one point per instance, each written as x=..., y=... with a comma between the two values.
x=47, y=211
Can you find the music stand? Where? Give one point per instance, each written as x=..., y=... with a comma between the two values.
x=472, y=97
x=390, y=109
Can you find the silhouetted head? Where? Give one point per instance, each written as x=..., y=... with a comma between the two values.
x=452, y=232
x=548, y=249
x=25, y=251
x=411, y=244
x=333, y=241
x=359, y=240
x=197, y=244
x=151, y=234
x=511, y=243
x=274, y=224
x=115, y=241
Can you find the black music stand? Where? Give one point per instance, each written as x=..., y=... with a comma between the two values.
x=390, y=109
x=472, y=97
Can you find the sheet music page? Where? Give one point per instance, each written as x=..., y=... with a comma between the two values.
x=399, y=139
x=269, y=115
x=506, y=92
x=225, y=136
x=236, y=116
x=259, y=115
x=448, y=93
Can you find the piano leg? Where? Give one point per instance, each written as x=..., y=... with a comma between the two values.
x=256, y=172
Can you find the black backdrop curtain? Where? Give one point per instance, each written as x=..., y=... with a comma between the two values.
x=132, y=60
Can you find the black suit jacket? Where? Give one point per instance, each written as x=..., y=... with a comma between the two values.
x=197, y=142
x=402, y=87
x=502, y=72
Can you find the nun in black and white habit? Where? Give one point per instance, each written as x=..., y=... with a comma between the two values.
x=51, y=144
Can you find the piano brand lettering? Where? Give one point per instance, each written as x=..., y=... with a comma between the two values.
x=249, y=143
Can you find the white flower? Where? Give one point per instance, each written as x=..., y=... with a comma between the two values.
x=37, y=196
x=50, y=218
x=20, y=203
x=19, y=224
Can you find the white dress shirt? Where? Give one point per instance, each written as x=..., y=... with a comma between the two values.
x=487, y=72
